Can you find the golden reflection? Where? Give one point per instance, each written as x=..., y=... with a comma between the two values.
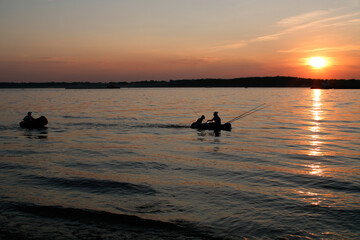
x=317, y=115
x=315, y=169
x=311, y=197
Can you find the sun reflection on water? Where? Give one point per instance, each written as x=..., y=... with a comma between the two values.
x=311, y=197
x=317, y=116
x=315, y=169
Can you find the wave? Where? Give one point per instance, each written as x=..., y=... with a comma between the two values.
x=16, y=153
x=91, y=185
x=7, y=127
x=96, y=222
x=314, y=181
x=126, y=124
x=13, y=166
x=92, y=124
x=89, y=215
x=102, y=124
x=157, y=125
x=77, y=117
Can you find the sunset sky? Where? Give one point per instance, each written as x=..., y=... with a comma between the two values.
x=132, y=40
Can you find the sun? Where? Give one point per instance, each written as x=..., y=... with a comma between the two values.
x=317, y=62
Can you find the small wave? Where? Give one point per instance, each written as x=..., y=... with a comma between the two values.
x=349, y=217
x=91, y=124
x=89, y=215
x=12, y=166
x=12, y=153
x=136, y=165
x=76, y=117
x=108, y=223
x=163, y=126
x=4, y=127
x=318, y=182
x=93, y=185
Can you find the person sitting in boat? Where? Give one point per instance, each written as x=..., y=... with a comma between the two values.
x=216, y=119
x=28, y=118
x=198, y=122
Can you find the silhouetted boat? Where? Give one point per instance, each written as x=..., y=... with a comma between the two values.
x=211, y=126
x=36, y=123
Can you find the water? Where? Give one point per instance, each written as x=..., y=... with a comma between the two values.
x=123, y=164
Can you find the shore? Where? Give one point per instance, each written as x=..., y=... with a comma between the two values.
x=251, y=82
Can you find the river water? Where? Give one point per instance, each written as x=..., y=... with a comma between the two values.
x=124, y=164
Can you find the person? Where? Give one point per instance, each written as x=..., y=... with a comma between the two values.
x=216, y=119
x=198, y=122
x=28, y=117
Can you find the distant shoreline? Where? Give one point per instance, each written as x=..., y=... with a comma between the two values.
x=249, y=82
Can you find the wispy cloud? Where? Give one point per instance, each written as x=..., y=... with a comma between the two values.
x=46, y=59
x=327, y=49
x=54, y=60
x=302, y=18
x=308, y=21
x=301, y=22
x=192, y=61
x=269, y=37
x=231, y=46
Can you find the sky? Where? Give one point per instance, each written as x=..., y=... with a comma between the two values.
x=135, y=40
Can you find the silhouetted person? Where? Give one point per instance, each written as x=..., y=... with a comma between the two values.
x=28, y=118
x=216, y=119
x=198, y=122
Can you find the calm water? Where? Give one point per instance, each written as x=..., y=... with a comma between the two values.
x=123, y=164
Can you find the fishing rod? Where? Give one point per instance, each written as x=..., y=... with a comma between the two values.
x=246, y=113
x=251, y=111
x=256, y=109
x=197, y=113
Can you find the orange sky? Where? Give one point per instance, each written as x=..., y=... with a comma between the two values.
x=130, y=40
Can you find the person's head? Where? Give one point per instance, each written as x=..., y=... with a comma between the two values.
x=202, y=117
x=29, y=113
x=215, y=113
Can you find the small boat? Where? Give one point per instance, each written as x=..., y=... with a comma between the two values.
x=211, y=126
x=36, y=123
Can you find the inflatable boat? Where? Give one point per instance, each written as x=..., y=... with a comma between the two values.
x=211, y=126
x=36, y=123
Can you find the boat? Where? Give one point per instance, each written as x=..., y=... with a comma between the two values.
x=36, y=123
x=211, y=126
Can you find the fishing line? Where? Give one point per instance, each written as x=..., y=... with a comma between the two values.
x=247, y=113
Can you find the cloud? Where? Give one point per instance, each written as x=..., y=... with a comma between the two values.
x=336, y=21
x=302, y=18
x=25, y=58
x=302, y=21
x=315, y=19
x=327, y=49
x=192, y=61
x=269, y=37
x=52, y=60
x=355, y=20
x=235, y=45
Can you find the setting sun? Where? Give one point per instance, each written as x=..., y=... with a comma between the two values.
x=317, y=62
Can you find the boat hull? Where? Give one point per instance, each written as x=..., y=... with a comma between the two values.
x=211, y=126
x=36, y=123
